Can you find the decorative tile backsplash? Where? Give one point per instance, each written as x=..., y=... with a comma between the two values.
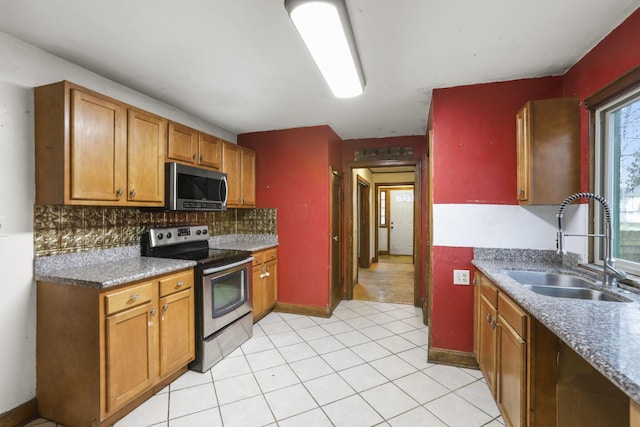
x=61, y=229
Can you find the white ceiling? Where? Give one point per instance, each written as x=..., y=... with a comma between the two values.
x=239, y=64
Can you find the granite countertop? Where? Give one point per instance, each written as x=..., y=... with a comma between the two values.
x=606, y=334
x=104, y=268
x=244, y=242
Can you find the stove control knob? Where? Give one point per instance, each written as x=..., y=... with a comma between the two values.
x=204, y=231
x=160, y=236
x=168, y=235
x=198, y=232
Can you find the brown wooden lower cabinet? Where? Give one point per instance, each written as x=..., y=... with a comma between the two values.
x=265, y=282
x=102, y=352
x=536, y=380
x=506, y=351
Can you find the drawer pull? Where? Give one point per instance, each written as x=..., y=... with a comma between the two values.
x=180, y=283
x=134, y=297
x=153, y=311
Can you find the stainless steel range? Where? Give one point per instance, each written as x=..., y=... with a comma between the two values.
x=223, y=315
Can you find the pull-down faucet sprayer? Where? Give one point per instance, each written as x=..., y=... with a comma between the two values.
x=610, y=272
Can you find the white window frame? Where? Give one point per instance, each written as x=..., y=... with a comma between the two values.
x=603, y=182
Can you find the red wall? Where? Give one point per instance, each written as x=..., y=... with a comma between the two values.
x=292, y=175
x=475, y=160
x=614, y=56
x=474, y=139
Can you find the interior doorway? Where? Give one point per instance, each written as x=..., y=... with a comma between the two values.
x=383, y=268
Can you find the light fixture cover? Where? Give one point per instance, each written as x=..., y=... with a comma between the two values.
x=325, y=28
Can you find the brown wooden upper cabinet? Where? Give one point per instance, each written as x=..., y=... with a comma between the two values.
x=189, y=146
x=95, y=150
x=548, y=150
x=239, y=164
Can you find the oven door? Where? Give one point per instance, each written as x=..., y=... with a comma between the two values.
x=226, y=295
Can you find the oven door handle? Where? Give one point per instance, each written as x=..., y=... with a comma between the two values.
x=226, y=266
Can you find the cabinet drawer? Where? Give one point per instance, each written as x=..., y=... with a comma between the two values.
x=175, y=283
x=258, y=258
x=270, y=255
x=489, y=291
x=513, y=314
x=128, y=297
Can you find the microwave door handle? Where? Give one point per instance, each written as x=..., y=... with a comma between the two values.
x=223, y=182
x=226, y=266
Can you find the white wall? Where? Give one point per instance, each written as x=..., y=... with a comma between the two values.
x=508, y=226
x=23, y=67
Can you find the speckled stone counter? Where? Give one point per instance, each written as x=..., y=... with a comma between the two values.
x=606, y=334
x=104, y=268
x=244, y=242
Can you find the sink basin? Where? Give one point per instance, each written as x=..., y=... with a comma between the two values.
x=560, y=285
x=548, y=279
x=568, y=292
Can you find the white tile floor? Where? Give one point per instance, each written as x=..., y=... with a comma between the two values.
x=365, y=366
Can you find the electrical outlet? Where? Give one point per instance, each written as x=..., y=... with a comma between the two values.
x=3, y=226
x=461, y=277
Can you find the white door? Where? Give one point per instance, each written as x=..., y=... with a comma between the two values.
x=401, y=222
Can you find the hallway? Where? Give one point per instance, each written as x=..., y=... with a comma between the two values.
x=389, y=280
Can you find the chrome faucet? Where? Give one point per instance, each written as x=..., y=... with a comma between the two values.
x=610, y=272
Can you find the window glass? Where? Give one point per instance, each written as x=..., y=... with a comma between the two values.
x=383, y=207
x=618, y=176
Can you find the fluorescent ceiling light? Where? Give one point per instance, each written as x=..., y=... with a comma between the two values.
x=325, y=29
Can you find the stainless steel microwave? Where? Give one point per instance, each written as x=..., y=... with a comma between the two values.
x=190, y=188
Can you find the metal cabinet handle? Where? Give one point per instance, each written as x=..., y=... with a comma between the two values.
x=165, y=307
x=201, y=158
x=119, y=192
x=133, y=192
x=194, y=157
x=180, y=283
x=488, y=318
x=134, y=297
x=153, y=311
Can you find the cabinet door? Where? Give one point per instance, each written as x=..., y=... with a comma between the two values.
x=271, y=284
x=177, y=339
x=130, y=354
x=487, y=343
x=248, y=178
x=209, y=151
x=146, y=139
x=231, y=165
x=523, y=128
x=182, y=143
x=258, y=292
x=97, y=148
x=511, y=375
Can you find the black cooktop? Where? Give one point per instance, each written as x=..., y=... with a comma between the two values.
x=190, y=243
x=211, y=256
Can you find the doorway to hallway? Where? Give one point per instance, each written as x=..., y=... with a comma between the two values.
x=391, y=279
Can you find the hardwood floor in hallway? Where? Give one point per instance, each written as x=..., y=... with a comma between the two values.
x=389, y=280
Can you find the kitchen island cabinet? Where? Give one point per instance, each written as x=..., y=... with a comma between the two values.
x=95, y=150
x=101, y=352
x=265, y=282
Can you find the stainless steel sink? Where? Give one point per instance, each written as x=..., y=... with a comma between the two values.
x=561, y=285
x=548, y=279
x=568, y=292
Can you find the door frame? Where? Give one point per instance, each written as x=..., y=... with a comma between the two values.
x=336, y=258
x=389, y=186
x=419, y=284
x=364, y=220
